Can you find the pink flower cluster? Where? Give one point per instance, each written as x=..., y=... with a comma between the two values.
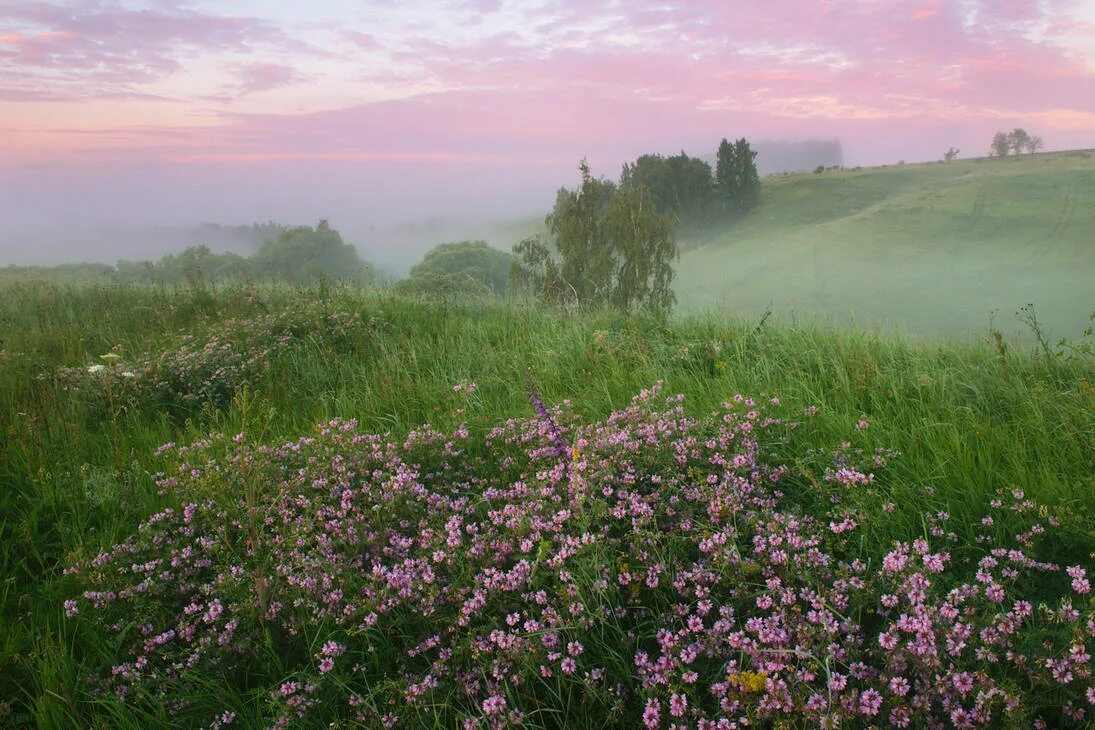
x=660, y=573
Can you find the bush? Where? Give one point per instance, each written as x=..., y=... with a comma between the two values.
x=471, y=266
x=304, y=255
x=443, y=287
x=203, y=370
x=649, y=568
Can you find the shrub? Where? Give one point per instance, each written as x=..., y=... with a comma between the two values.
x=205, y=370
x=465, y=266
x=649, y=568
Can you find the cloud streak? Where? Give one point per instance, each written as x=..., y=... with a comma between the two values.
x=103, y=47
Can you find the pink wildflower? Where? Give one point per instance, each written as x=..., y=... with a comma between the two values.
x=899, y=686
x=1080, y=583
x=652, y=714
x=332, y=649
x=870, y=702
x=494, y=705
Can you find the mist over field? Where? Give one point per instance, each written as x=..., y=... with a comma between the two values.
x=923, y=249
x=392, y=212
x=129, y=128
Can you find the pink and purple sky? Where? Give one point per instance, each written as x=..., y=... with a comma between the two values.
x=120, y=112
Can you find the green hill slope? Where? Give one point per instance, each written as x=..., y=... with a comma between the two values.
x=931, y=248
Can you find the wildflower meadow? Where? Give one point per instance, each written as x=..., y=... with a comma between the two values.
x=312, y=508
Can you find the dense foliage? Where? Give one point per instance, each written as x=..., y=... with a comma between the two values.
x=686, y=188
x=611, y=247
x=614, y=243
x=462, y=267
x=1017, y=140
x=737, y=183
x=680, y=186
x=192, y=265
x=303, y=255
x=292, y=254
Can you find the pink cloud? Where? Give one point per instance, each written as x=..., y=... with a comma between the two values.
x=264, y=76
x=364, y=41
x=96, y=47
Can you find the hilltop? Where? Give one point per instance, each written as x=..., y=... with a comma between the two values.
x=930, y=248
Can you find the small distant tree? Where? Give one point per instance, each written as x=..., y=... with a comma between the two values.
x=1034, y=144
x=1018, y=139
x=1001, y=144
x=950, y=154
x=612, y=246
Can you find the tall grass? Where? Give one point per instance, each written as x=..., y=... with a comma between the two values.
x=76, y=476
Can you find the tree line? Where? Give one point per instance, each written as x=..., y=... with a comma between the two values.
x=613, y=243
x=296, y=254
x=606, y=242
x=689, y=191
x=1017, y=141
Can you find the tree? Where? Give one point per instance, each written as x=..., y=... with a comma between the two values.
x=195, y=265
x=469, y=264
x=537, y=271
x=680, y=186
x=1019, y=139
x=748, y=178
x=611, y=246
x=305, y=255
x=586, y=255
x=1034, y=144
x=736, y=179
x=950, y=154
x=725, y=179
x=642, y=240
x=1001, y=144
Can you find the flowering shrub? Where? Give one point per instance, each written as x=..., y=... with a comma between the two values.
x=653, y=573
x=208, y=370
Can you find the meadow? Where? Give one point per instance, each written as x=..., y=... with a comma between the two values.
x=924, y=248
x=224, y=507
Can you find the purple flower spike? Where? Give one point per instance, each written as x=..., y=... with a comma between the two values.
x=561, y=449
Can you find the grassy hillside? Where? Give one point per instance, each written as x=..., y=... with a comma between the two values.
x=930, y=248
x=78, y=459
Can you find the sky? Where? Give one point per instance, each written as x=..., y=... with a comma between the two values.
x=130, y=113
